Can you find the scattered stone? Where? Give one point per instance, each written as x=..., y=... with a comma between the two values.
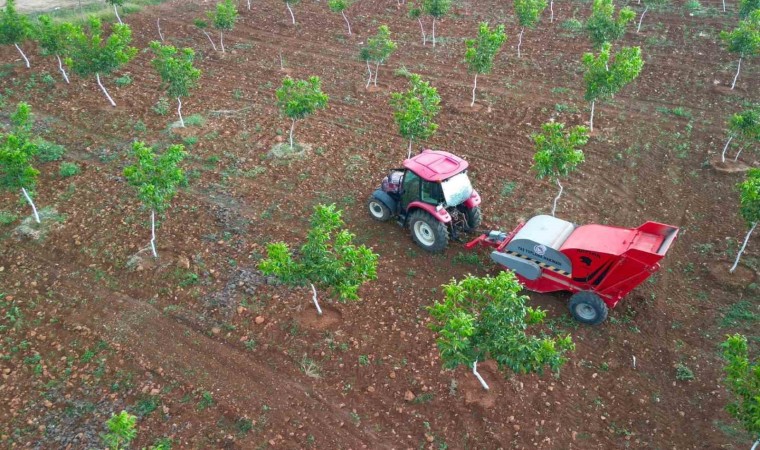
x=392, y=375
x=216, y=330
x=409, y=396
x=259, y=320
x=183, y=262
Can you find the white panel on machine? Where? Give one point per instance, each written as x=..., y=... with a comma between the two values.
x=546, y=230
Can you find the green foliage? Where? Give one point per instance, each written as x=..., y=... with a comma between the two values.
x=379, y=47
x=115, y=2
x=22, y=121
x=156, y=177
x=121, y=431
x=604, y=78
x=746, y=7
x=436, y=8
x=683, y=373
x=529, y=11
x=124, y=80
x=178, y=75
x=744, y=40
x=14, y=27
x=161, y=107
x=338, y=6
x=225, y=15
x=300, y=98
x=48, y=151
x=415, y=109
x=329, y=258
x=414, y=10
x=603, y=27
x=91, y=53
x=743, y=381
x=746, y=125
x=481, y=51
x=749, y=196
x=485, y=318
x=17, y=150
x=69, y=169
x=557, y=151
x=53, y=38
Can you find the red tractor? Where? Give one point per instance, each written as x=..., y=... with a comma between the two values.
x=599, y=264
x=432, y=195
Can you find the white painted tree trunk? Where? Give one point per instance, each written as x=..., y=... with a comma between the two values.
x=641, y=18
x=736, y=158
x=179, y=112
x=377, y=69
x=474, y=86
x=369, y=79
x=31, y=203
x=316, y=303
x=26, y=60
x=292, y=126
x=591, y=122
x=292, y=17
x=737, y=73
x=556, y=199
x=117, y=14
x=551, y=10
x=422, y=30
x=519, y=41
x=347, y=24
x=249, y=5
x=103, y=88
x=63, y=71
x=221, y=40
x=741, y=250
x=160, y=34
x=409, y=151
x=477, y=375
x=209, y=39
x=153, y=233
x=724, y=5
x=754, y=446
x=433, y=31
x=725, y=147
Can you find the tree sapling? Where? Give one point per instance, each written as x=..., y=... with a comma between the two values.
x=744, y=127
x=749, y=201
x=203, y=25
x=647, y=3
x=743, y=381
x=14, y=28
x=415, y=12
x=558, y=153
x=436, y=9
x=290, y=10
x=415, y=110
x=91, y=54
x=121, y=431
x=156, y=178
x=16, y=153
x=603, y=27
x=298, y=99
x=54, y=39
x=379, y=48
x=223, y=18
x=340, y=6
x=481, y=51
x=116, y=3
x=177, y=72
x=744, y=40
x=528, y=14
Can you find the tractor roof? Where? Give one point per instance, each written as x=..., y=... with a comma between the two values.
x=436, y=165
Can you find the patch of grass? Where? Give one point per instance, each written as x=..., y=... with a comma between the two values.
x=244, y=425
x=124, y=80
x=427, y=397
x=310, y=368
x=48, y=151
x=740, y=313
x=161, y=107
x=469, y=258
x=363, y=360
x=7, y=218
x=140, y=126
x=683, y=373
x=572, y=25
x=146, y=405
x=402, y=72
x=206, y=401
x=563, y=108
x=508, y=188
x=196, y=120
x=69, y=169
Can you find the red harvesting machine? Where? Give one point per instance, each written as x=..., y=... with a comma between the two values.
x=599, y=264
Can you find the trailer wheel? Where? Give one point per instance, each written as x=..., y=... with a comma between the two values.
x=427, y=232
x=586, y=307
x=474, y=218
x=378, y=210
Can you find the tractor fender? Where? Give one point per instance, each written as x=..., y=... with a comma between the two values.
x=473, y=201
x=440, y=215
x=386, y=199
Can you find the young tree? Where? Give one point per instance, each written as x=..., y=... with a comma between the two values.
x=156, y=178
x=223, y=18
x=647, y=3
x=379, y=48
x=91, y=53
x=415, y=12
x=749, y=201
x=54, y=39
x=746, y=7
x=528, y=13
x=436, y=9
x=290, y=10
x=116, y=3
x=603, y=27
x=743, y=381
x=340, y=6
x=121, y=431
x=558, y=153
x=415, y=110
x=745, y=127
x=481, y=51
x=329, y=258
x=14, y=28
x=177, y=72
x=16, y=153
x=298, y=99
x=486, y=318
x=744, y=40
x=604, y=78
x=202, y=25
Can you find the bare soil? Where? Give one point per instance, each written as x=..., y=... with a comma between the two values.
x=212, y=355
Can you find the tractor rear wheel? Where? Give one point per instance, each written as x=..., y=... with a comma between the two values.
x=586, y=307
x=378, y=210
x=474, y=218
x=427, y=232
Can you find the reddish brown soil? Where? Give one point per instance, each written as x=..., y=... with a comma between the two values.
x=84, y=337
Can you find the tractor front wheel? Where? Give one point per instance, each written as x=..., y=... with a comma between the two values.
x=474, y=218
x=427, y=232
x=378, y=210
x=586, y=307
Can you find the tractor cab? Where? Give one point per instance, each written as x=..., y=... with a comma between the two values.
x=431, y=194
